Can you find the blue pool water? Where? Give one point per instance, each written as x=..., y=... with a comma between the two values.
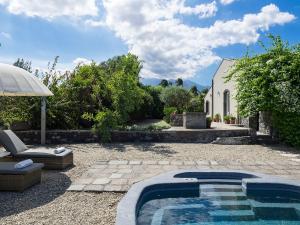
x=219, y=204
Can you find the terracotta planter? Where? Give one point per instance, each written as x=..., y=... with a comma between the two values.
x=227, y=122
x=232, y=121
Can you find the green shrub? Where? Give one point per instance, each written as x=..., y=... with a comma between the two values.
x=208, y=122
x=177, y=97
x=15, y=109
x=168, y=111
x=104, y=123
x=196, y=104
x=270, y=82
x=287, y=126
x=152, y=107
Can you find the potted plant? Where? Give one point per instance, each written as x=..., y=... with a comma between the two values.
x=217, y=118
x=227, y=119
x=208, y=122
x=232, y=120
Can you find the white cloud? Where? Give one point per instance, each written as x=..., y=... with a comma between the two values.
x=82, y=61
x=170, y=48
x=202, y=10
x=95, y=23
x=50, y=9
x=5, y=35
x=227, y=2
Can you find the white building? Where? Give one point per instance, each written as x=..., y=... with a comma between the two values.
x=220, y=98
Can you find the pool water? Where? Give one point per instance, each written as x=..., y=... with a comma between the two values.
x=219, y=204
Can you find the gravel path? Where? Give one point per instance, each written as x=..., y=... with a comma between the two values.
x=49, y=203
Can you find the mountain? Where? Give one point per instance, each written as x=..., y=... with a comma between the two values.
x=186, y=83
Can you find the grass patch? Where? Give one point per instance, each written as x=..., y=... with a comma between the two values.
x=149, y=125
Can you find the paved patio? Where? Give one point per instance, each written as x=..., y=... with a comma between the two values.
x=214, y=126
x=119, y=175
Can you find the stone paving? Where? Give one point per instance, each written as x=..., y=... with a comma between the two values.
x=119, y=175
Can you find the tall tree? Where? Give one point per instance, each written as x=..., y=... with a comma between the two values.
x=205, y=91
x=164, y=83
x=26, y=65
x=179, y=82
x=176, y=97
x=194, y=90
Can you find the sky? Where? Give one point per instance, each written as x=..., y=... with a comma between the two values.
x=173, y=38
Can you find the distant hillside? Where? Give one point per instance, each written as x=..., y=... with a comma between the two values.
x=186, y=83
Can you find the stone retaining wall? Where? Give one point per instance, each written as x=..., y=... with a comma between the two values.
x=86, y=136
x=203, y=136
x=58, y=136
x=177, y=120
x=265, y=123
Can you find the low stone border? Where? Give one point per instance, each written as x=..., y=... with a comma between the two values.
x=171, y=136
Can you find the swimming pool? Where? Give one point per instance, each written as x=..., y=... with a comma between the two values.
x=211, y=197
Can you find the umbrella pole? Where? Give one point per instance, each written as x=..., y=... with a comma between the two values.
x=43, y=121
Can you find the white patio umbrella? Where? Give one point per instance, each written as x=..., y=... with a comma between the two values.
x=15, y=81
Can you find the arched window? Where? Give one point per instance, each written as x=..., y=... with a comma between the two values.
x=207, y=107
x=226, y=102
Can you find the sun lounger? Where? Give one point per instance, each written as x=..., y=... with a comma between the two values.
x=12, y=179
x=19, y=151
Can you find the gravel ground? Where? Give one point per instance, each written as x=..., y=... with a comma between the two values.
x=49, y=203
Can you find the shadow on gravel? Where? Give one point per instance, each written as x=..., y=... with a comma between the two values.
x=284, y=148
x=53, y=185
x=144, y=147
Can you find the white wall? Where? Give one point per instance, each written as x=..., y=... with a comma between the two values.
x=208, y=98
x=220, y=86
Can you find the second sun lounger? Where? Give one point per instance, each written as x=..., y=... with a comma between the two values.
x=12, y=179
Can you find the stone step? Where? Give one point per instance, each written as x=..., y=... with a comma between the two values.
x=220, y=188
x=232, y=205
x=223, y=195
x=239, y=140
x=215, y=215
x=256, y=204
x=232, y=213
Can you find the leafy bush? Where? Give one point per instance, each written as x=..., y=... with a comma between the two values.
x=126, y=95
x=157, y=108
x=288, y=127
x=113, y=84
x=208, y=122
x=168, y=111
x=104, y=122
x=270, y=82
x=196, y=104
x=152, y=107
x=17, y=109
x=177, y=97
